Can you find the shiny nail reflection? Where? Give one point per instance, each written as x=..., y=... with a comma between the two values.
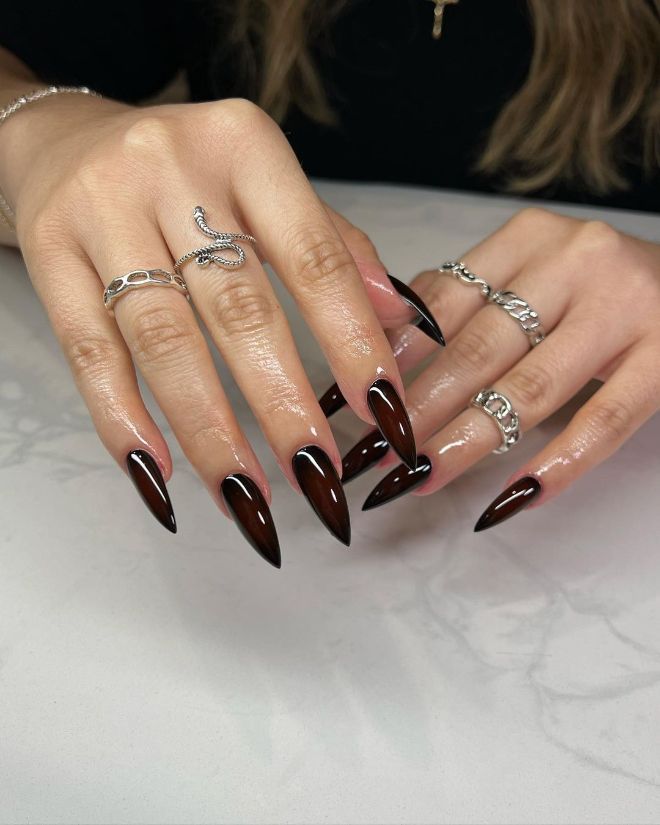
x=426, y=322
x=150, y=484
x=251, y=513
x=332, y=401
x=363, y=455
x=399, y=482
x=392, y=419
x=322, y=488
x=514, y=499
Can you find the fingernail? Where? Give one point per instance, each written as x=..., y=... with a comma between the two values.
x=251, y=513
x=399, y=482
x=149, y=482
x=426, y=322
x=365, y=454
x=332, y=401
x=515, y=498
x=392, y=419
x=322, y=488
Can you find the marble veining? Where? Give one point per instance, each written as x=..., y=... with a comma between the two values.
x=426, y=675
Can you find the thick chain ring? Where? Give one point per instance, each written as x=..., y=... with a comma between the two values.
x=138, y=278
x=521, y=312
x=500, y=409
x=221, y=241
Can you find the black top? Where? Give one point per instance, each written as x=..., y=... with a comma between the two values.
x=410, y=109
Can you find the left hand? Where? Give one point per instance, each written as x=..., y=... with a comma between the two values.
x=597, y=293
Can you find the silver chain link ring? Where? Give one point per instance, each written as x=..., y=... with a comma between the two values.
x=500, y=409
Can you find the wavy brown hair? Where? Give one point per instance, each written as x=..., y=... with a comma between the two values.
x=594, y=75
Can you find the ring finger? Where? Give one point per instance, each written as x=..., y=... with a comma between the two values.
x=537, y=386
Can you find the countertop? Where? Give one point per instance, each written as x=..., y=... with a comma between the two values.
x=426, y=675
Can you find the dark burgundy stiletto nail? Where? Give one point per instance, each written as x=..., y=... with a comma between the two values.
x=426, y=322
x=251, y=513
x=149, y=482
x=392, y=419
x=399, y=482
x=322, y=488
x=365, y=454
x=332, y=401
x=515, y=498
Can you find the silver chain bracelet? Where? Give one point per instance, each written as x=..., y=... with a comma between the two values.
x=6, y=212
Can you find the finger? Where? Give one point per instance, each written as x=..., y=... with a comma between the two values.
x=490, y=344
x=608, y=419
x=103, y=372
x=308, y=254
x=168, y=347
x=537, y=386
x=393, y=303
x=498, y=259
x=249, y=327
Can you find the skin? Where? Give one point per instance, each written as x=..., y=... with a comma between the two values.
x=100, y=188
x=597, y=292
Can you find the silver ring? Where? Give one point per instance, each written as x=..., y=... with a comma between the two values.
x=138, y=278
x=500, y=409
x=514, y=305
x=221, y=241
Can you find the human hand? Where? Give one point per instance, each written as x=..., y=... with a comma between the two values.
x=597, y=294
x=101, y=189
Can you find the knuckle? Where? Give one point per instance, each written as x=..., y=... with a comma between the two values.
x=239, y=309
x=90, y=356
x=471, y=350
x=149, y=136
x=358, y=238
x=322, y=262
x=600, y=238
x=160, y=335
x=531, y=218
x=609, y=420
x=530, y=385
x=236, y=116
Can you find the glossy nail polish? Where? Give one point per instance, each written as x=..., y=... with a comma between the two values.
x=515, y=498
x=399, y=482
x=332, y=401
x=392, y=419
x=426, y=322
x=364, y=455
x=149, y=482
x=251, y=513
x=322, y=488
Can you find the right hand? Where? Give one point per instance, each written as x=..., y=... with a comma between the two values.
x=101, y=188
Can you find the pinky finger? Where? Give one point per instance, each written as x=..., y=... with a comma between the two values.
x=105, y=376
x=608, y=419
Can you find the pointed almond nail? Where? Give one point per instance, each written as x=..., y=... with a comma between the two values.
x=392, y=419
x=514, y=499
x=252, y=515
x=399, y=482
x=322, y=488
x=149, y=482
x=426, y=322
x=363, y=455
x=332, y=401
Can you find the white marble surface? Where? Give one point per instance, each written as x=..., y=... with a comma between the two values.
x=428, y=675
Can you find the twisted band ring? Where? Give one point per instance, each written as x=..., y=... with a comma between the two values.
x=528, y=320
x=138, y=278
x=221, y=241
x=500, y=409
